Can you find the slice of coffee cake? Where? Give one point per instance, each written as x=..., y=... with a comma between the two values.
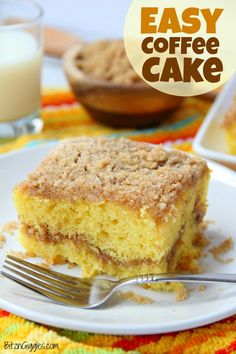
x=114, y=206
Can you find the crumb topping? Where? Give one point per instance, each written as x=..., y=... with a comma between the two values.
x=136, y=174
x=230, y=116
x=111, y=62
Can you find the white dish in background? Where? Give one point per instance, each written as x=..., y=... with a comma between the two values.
x=120, y=316
x=210, y=141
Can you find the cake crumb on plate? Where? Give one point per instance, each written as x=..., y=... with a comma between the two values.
x=56, y=260
x=2, y=240
x=181, y=295
x=21, y=255
x=71, y=265
x=202, y=288
x=44, y=265
x=10, y=227
x=224, y=247
x=136, y=298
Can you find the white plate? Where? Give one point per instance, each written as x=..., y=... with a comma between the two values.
x=210, y=141
x=118, y=316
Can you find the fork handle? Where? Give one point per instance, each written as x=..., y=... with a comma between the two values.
x=185, y=278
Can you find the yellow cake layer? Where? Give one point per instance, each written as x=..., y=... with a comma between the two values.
x=92, y=265
x=113, y=230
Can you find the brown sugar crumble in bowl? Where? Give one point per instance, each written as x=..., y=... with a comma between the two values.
x=111, y=62
x=107, y=86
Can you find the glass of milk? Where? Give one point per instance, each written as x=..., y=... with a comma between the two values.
x=20, y=67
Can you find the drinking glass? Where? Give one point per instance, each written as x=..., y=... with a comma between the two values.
x=21, y=50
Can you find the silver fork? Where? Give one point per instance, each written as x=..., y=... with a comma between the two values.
x=87, y=293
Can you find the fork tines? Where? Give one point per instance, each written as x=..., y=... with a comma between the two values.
x=59, y=287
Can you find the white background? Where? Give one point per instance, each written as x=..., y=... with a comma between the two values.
x=89, y=19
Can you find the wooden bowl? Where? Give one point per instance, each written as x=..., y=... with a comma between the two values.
x=135, y=105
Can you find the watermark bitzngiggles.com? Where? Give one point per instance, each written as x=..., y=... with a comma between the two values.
x=29, y=347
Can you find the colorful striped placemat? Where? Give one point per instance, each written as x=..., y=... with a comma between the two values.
x=63, y=117
x=219, y=338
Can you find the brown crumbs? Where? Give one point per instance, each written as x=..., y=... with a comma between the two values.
x=191, y=290
x=21, y=255
x=209, y=222
x=201, y=241
x=57, y=260
x=221, y=249
x=10, y=227
x=202, y=288
x=71, y=265
x=119, y=170
x=2, y=241
x=44, y=265
x=137, y=299
x=181, y=295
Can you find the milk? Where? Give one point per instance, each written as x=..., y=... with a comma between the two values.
x=20, y=63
